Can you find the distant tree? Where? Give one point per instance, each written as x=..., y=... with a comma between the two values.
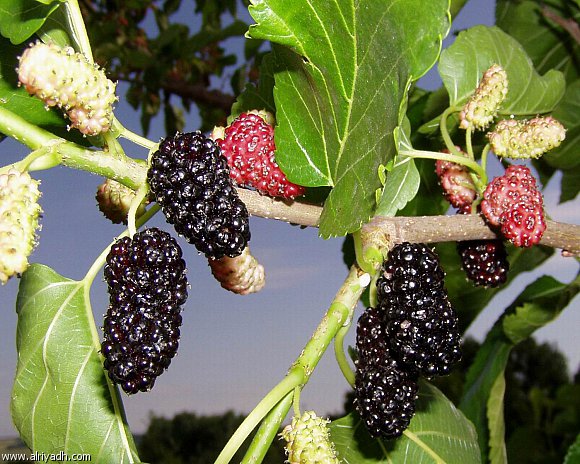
x=188, y=438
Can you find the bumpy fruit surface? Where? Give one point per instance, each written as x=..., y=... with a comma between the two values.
x=484, y=261
x=19, y=212
x=514, y=203
x=147, y=284
x=308, y=440
x=371, y=339
x=248, y=144
x=526, y=139
x=456, y=182
x=385, y=399
x=421, y=325
x=60, y=77
x=190, y=179
x=114, y=200
x=242, y=274
x=483, y=105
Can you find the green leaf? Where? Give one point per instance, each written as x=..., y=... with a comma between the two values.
x=56, y=28
x=573, y=454
x=475, y=50
x=15, y=98
x=541, y=303
x=549, y=297
x=61, y=399
x=20, y=19
x=570, y=185
x=566, y=155
x=547, y=44
x=339, y=86
x=438, y=433
x=402, y=182
x=259, y=97
x=497, y=449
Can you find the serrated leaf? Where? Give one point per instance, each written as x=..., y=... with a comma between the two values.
x=20, y=19
x=476, y=49
x=61, y=399
x=541, y=304
x=492, y=357
x=339, y=86
x=438, y=433
x=259, y=97
x=547, y=45
x=497, y=449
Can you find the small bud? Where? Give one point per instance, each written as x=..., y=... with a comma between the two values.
x=308, y=440
x=114, y=200
x=482, y=107
x=60, y=77
x=456, y=182
x=19, y=212
x=526, y=139
x=242, y=274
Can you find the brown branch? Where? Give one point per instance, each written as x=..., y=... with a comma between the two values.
x=569, y=25
x=425, y=229
x=199, y=94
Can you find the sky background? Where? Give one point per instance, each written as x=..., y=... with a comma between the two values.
x=235, y=348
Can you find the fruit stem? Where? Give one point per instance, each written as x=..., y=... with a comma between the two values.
x=42, y=158
x=469, y=144
x=79, y=31
x=121, y=168
x=445, y=132
x=267, y=432
x=340, y=354
x=296, y=401
x=294, y=378
x=454, y=158
x=335, y=318
x=132, y=136
x=139, y=197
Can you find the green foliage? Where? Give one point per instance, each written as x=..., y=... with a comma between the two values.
x=540, y=302
x=439, y=432
x=325, y=111
x=62, y=400
x=20, y=19
x=480, y=47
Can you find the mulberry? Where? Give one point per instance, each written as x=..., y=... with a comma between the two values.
x=114, y=200
x=248, y=144
x=147, y=284
x=190, y=179
x=421, y=325
x=242, y=274
x=484, y=261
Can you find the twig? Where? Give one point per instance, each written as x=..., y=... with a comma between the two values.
x=569, y=25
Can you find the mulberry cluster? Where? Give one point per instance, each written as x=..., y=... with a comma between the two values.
x=308, y=440
x=248, y=144
x=190, y=179
x=513, y=203
x=484, y=261
x=456, y=182
x=147, y=284
x=412, y=331
x=19, y=212
x=60, y=77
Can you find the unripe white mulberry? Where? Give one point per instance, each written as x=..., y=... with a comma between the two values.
x=19, y=212
x=526, y=139
x=242, y=274
x=114, y=200
x=61, y=77
x=482, y=107
x=308, y=440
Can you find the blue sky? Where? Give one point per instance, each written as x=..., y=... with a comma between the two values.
x=235, y=348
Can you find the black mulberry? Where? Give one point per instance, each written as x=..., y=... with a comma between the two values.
x=484, y=261
x=421, y=325
x=385, y=399
x=147, y=284
x=189, y=177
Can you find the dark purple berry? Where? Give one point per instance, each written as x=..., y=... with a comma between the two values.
x=484, y=261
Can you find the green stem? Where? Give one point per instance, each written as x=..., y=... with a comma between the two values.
x=267, y=432
x=445, y=132
x=132, y=136
x=294, y=378
x=79, y=30
x=335, y=318
x=135, y=203
x=468, y=143
x=38, y=160
x=458, y=159
x=296, y=401
x=340, y=354
x=121, y=168
x=368, y=255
